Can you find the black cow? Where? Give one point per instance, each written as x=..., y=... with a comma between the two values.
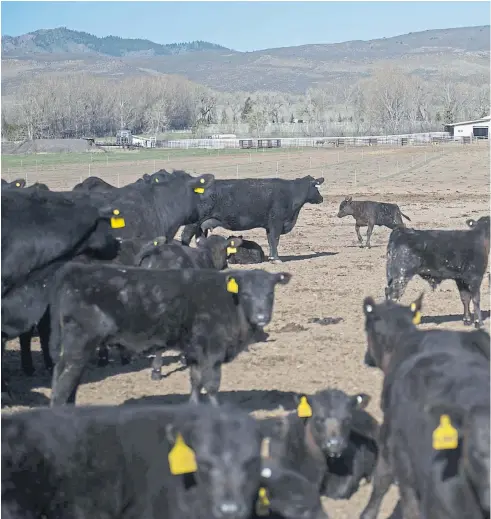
x=94, y=184
x=272, y=204
x=331, y=440
x=247, y=253
x=210, y=253
x=15, y=184
x=129, y=462
x=41, y=230
x=426, y=372
x=210, y=316
x=435, y=255
x=159, y=204
x=368, y=214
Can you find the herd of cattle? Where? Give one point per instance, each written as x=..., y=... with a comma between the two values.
x=98, y=267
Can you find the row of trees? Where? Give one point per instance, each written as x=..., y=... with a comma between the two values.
x=390, y=101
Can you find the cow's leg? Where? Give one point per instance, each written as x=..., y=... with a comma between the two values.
x=369, y=234
x=396, y=287
x=195, y=377
x=124, y=355
x=465, y=297
x=66, y=378
x=6, y=394
x=103, y=356
x=273, y=234
x=382, y=479
x=156, y=373
x=476, y=301
x=211, y=383
x=358, y=233
x=25, y=352
x=44, y=329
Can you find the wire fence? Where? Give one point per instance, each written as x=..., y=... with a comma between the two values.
x=345, y=167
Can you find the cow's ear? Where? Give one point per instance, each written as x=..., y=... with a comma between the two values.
x=360, y=401
x=304, y=409
x=283, y=278
x=201, y=183
x=369, y=306
x=415, y=307
x=232, y=285
x=232, y=243
x=471, y=222
x=319, y=181
x=348, y=199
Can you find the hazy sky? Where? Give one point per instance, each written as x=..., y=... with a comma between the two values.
x=243, y=26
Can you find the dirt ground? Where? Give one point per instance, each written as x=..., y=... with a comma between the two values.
x=331, y=276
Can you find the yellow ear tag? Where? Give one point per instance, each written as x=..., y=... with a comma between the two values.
x=17, y=184
x=232, y=286
x=231, y=250
x=117, y=222
x=155, y=242
x=445, y=436
x=262, y=505
x=181, y=458
x=201, y=180
x=304, y=410
x=156, y=180
x=199, y=190
x=417, y=317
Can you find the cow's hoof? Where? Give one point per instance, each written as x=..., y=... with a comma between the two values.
x=182, y=360
x=467, y=322
x=478, y=325
x=156, y=375
x=275, y=261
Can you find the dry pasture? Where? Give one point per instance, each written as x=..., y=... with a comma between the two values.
x=436, y=186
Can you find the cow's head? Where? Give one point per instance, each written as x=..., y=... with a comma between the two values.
x=329, y=418
x=383, y=325
x=471, y=429
x=313, y=195
x=345, y=207
x=226, y=446
x=254, y=291
x=219, y=248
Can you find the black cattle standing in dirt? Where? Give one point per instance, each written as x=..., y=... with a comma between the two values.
x=210, y=253
x=331, y=440
x=272, y=204
x=209, y=316
x=435, y=433
x=41, y=230
x=130, y=462
x=461, y=255
x=368, y=214
x=157, y=205
x=248, y=252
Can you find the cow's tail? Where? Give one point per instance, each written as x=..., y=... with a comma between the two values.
x=406, y=217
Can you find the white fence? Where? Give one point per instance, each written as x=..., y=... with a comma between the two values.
x=410, y=139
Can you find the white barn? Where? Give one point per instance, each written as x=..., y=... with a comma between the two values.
x=478, y=128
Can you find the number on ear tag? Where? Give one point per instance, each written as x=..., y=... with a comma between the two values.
x=445, y=436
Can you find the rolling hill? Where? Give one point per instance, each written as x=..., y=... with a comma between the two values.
x=461, y=52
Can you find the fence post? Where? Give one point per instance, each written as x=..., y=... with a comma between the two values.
x=237, y=172
x=154, y=168
x=310, y=162
x=425, y=157
x=277, y=168
x=362, y=154
x=118, y=179
x=355, y=178
x=27, y=183
x=89, y=169
x=338, y=156
x=397, y=167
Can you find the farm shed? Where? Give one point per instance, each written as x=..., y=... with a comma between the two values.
x=478, y=128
